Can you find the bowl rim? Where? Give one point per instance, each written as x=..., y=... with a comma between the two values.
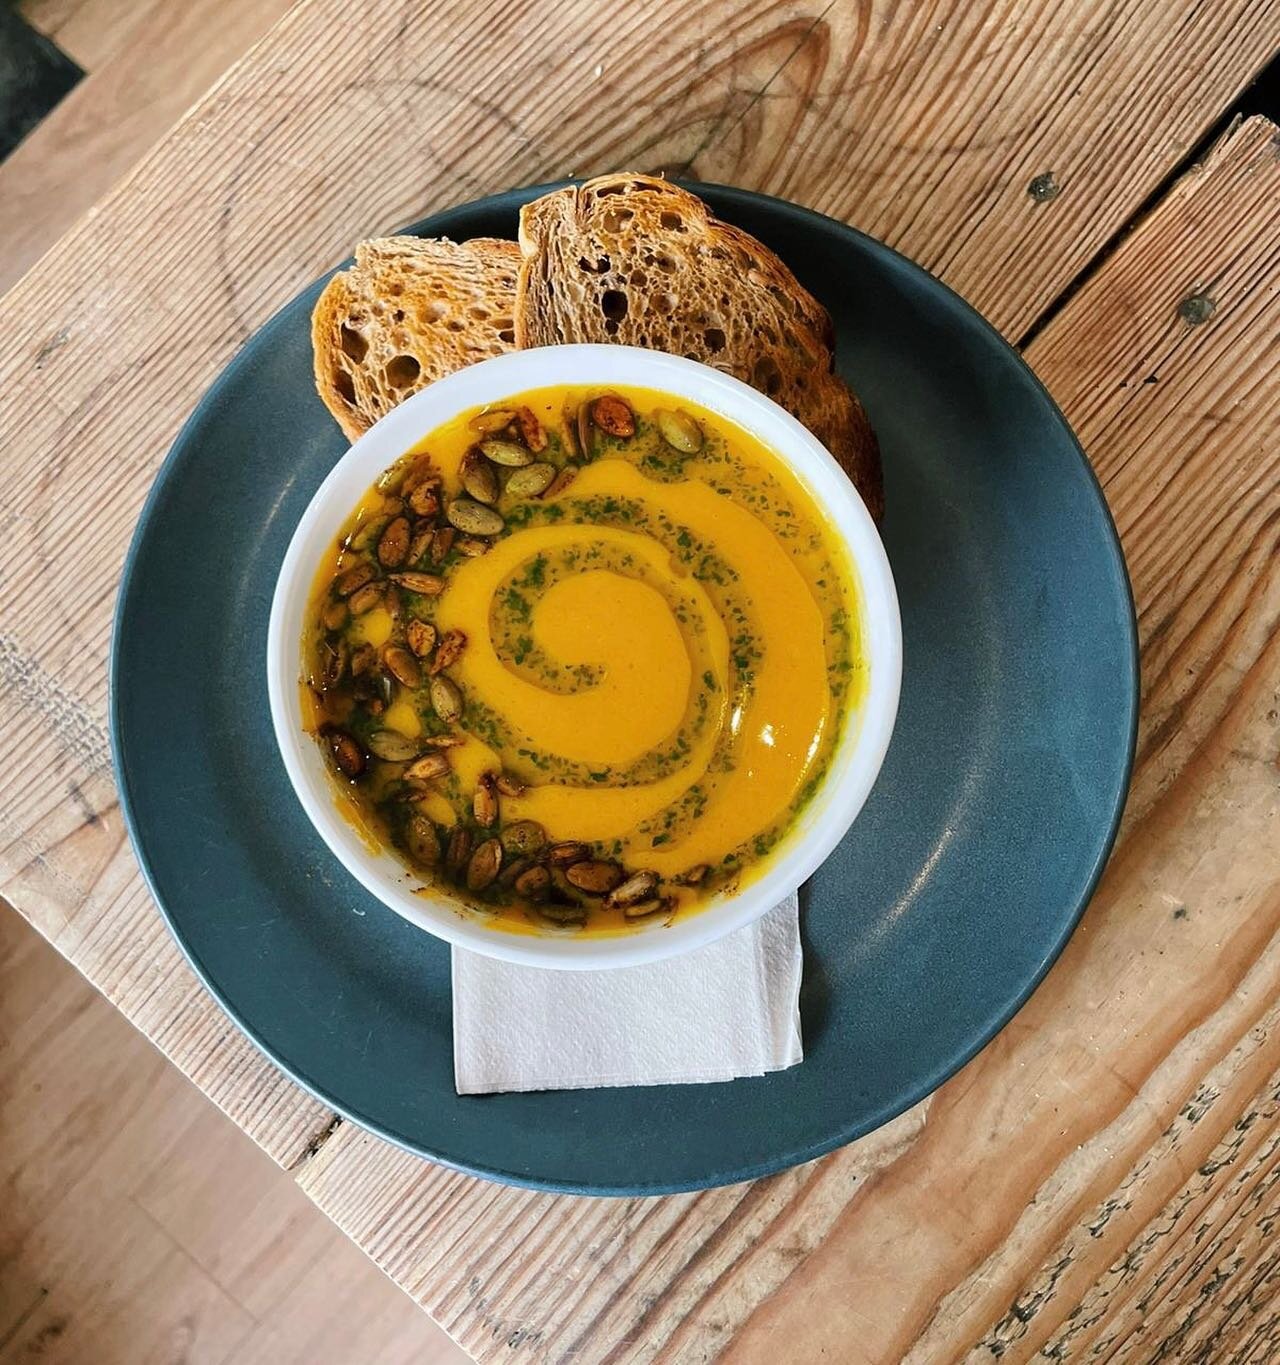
x=859, y=754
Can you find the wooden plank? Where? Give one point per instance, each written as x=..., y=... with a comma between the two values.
x=340, y=125
x=147, y=64
x=138, y=1224
x=1100, y=1182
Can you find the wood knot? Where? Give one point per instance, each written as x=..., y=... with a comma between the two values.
x=1196, y=308
x=1043, y=188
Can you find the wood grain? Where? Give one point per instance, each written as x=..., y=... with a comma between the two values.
x=1100, y=1183
x=138, y=1224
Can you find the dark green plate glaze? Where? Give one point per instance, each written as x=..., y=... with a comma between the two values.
x=931, y=924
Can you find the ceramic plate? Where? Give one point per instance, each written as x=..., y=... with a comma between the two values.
x=926, y=930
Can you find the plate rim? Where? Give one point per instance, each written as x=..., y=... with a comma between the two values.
x=439, y=224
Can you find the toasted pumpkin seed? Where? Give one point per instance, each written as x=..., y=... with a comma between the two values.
x=444, y=741
x=347, y=754
x=534, y=884
x=420, y=544
x=642, y=909
x=424, y=584
x=679, y=430
x=484, y=804
x=393, y=543
x=459, y=849
x=584, y=431
x=446, y=699
x=508, y=785
x=530, y=429
x=693, y=875
x=506, y=453
x=524, y=836
x=402, y=666
x=570, y=851
x=480, y=479
x=484, y=865
x=421, y=636
x=334, y=615
x=429, y=768
x=512, y=870
x=486, y=423
x=392, y=746
x=424, y=501
x=363, y=660
x=563, y=915
x=613, y=416
x=639, y=886
x=355, y=577
x=449, y=650
x=442, y=544
x=333, y=663
x=473, y=546
x=474, y=517
x=365, y=599
x=531, y=481
x=561, y=481
x=421, y=841
x=595, y=876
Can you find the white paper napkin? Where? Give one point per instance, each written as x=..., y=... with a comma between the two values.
x=727, y=1010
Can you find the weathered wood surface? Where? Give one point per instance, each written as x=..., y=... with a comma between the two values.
x=925, y=124
x=1102, y=1179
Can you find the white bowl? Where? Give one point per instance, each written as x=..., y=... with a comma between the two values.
x=854, y=765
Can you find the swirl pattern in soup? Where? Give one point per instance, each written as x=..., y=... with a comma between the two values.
x=583, y=658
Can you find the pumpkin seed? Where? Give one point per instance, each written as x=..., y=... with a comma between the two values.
x=473, y=546
x=563, y=915
x=364, y=536
x=679, y=430
x=334, y=615
x=365, y=599
x=530, y=429
x=393, y=746
x=429, y=768
x=638, y=887
x=613, y=416
x=425, y=499
x=486, y=423
x=584, y=430
x=474, y=517
x=420, y=544
x=449, y=650
x=561, y=481
x=480, y=479
x=333, y=664
x=534, y=884
x=483, y=865
x=692, y=876
x=402, y=666
x=484, y=804
x=442, y=544
x=595, y=876
x=363, y=660
x=393, y=544
x=446, y=699
x=347, y=754
x=355, y=577
x=512, y=870
x=506, y=453
x=424, y=584
x=570, y=851
x=642, y=909
x=421, y=841
x=459, y=849
x=444, y=741
x=508, y=786
x=531, y=481
x=421, y=636
x=524, y=836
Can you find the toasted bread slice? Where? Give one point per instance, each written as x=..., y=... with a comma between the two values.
x=635, y=260
x=408, y=312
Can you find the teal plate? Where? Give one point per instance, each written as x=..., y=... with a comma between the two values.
x=926, y=930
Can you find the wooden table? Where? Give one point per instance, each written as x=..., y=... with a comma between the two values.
x=1103, y=1182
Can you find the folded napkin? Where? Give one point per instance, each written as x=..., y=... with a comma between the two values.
x=727, y=1010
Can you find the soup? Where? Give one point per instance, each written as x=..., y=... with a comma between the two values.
x=582, y=659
